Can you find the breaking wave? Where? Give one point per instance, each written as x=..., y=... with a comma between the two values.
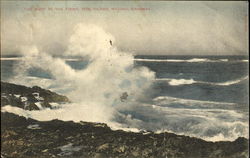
x=91, y=89
x=178, y=82
x=194, y=60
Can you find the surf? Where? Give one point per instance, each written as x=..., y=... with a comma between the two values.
x=193, y=60
x=179, y=82
x=92, y=86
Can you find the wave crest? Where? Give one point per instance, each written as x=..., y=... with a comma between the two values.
x=194, y=60
x=178, y=82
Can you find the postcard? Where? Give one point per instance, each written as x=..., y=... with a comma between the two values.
x=109, y=79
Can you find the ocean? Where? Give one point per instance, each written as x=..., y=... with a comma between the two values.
x=199, y=96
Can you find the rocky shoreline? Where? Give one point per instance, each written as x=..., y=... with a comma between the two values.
x=27, y=138
x=27, y=98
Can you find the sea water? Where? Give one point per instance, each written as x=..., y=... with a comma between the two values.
x=204, y=97
x=200, y=96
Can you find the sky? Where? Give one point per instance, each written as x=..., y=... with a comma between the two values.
x=165, y=28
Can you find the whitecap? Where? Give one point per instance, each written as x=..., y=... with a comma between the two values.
x=182, y=81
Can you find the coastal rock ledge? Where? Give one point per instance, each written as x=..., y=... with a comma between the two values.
x=27, y=98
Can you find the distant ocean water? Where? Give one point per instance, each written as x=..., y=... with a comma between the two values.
x=201, y=96
x=208, y=78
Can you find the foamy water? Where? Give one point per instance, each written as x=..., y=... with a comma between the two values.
x=194, y=60
x=177, y=82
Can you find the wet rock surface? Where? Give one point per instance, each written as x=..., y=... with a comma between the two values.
x=27, y=98
x=23, y=137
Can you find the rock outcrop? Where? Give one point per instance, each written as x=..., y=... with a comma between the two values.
x=34, y=98
x=28, y=138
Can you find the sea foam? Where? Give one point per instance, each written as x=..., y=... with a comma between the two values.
x=178, y=82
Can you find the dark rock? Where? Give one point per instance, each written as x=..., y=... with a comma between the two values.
x=4, y=100
x=90, y=140
x=31, y=106
x=26, y=97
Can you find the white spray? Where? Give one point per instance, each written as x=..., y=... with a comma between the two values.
x=95, y=90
